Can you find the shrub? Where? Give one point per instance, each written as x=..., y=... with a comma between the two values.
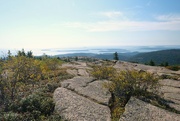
x=116, y=113
x=11, y=116
x=37, y=104
x=24, y=92
x=123, y=85
x=103, y=72
x=174, y=68
x=132, y=83
x=52, y=86
x=54, y=117
x=165, y=76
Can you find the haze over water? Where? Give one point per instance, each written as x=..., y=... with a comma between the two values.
x=95, y=50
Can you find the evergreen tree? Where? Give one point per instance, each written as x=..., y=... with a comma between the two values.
x=76, y=58
x=116, y=56
x=29, y=54
x=44, y=56
x=162, y=64
x=152, y=63
x=166, y=64
x=19, y=53
x=23, y=52
x=9, y=54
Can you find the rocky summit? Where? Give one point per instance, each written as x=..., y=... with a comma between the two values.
x=74, y=107
x=137, y=110
x=84, y=98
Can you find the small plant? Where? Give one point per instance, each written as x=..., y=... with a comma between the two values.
x=54, y=117
x=11, y=116
x=103, y=72
x=129, y=83
x=117, y=112
x=174, y=77
x=132, y=83
x=174, y=68
x=37, y=104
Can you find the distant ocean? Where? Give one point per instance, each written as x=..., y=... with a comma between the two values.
x=96, y=50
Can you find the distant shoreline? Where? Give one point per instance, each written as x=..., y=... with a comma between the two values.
x=94, y=50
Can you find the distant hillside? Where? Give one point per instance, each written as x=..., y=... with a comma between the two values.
x=122, y=56
x=110, y=56
x=170, y=56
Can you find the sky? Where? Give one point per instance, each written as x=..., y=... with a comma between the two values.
x=39, y=24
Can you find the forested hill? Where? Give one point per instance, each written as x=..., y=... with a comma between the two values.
x=159, y=57
x=170, y=56
x=109, y=56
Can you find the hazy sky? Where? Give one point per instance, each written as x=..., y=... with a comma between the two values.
x=83, y=23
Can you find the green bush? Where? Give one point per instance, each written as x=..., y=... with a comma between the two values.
x=11, y=116
x=174, y=68
x=103, y=72
x=123, y=85
x=132, y=83
x=165, y=76
x=26, y=86
x=37, y=104
x=54, y=117
x=52, y=86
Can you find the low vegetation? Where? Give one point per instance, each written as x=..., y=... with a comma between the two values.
x=27, y=84
x=26, y=87
x=125, y=84
x=174, y=68
x=103, y=72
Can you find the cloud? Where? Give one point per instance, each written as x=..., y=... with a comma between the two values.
x=163, y=22
x=125, y=25
x=111, y=14
x=170, y=17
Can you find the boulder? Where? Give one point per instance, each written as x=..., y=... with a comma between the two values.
x=89, y=87
x=171, y=91
x=170, y=82
x=72, y=72
x=77, y=65
x=137, y=110
x=77, y=82
x=74, y=107
x=122, y=65
x=83, y=72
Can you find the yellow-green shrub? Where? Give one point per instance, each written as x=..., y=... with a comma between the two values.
x=125, y=84
x=132, y=83
x=103, y=72
x=174, y=68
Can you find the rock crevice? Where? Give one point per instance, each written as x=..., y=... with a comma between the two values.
x=89, y=87
x=84, y=98
x=137, y=110
x=74, y=107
